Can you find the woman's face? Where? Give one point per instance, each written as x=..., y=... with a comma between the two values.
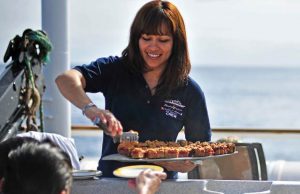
x=156, y=50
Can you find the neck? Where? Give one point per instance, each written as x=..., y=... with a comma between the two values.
x=152, y=79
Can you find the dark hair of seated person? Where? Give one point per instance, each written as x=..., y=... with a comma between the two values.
x=37, y=169
x=9, y=145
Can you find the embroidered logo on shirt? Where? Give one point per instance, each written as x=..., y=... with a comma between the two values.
x=173, y=108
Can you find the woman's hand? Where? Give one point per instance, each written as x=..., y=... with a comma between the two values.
x=147, y=182
x=178, y=166
x=114, y=126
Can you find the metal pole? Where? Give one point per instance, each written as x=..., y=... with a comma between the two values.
x=55, y=21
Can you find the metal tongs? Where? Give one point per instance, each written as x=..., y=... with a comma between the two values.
x=125, y=136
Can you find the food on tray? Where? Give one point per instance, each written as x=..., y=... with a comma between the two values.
x=126, y=147
x=184, y=151
x=199, y=151
x=160, y=149
x=137, y=153
x=155, y=153
x=171, y=152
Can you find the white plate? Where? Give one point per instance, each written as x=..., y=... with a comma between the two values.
x=134, y=170
x=86, y=174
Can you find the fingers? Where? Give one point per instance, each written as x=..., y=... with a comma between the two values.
x=151, y=174
x=149, y=180
x=160, y=175
x=119, y=128
x=112, y=124
x=148, y=173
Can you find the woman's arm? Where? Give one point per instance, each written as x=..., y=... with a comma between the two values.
x=71, y=84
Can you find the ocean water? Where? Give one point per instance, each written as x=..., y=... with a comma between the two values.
x=242, y=97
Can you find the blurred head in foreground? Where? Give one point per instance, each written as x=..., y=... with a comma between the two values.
x=37, y=169
x=9, y=145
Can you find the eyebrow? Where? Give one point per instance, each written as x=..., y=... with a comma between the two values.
x=168, y=35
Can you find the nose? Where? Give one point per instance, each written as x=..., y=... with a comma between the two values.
x=153, y=44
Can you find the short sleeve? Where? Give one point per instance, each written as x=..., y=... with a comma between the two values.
x=98, y=73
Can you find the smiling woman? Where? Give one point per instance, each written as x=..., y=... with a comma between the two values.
x=147, y=89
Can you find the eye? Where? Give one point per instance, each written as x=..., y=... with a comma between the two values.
x=164, y=40
x=145, y=38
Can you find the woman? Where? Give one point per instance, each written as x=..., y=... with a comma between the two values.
x=147, y=89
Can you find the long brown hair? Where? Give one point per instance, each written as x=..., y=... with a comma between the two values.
x=149, y=20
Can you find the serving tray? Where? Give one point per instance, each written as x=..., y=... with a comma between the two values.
x=122, y=158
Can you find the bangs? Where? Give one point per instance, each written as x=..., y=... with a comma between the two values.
x=157, y=24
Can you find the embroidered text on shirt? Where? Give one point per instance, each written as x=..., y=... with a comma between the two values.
x=173, y=108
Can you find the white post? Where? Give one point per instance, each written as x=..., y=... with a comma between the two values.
x=55, y=21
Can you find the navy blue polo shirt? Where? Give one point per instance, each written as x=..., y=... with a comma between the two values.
x=128, y=97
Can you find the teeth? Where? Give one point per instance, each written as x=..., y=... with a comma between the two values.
x=153, y=55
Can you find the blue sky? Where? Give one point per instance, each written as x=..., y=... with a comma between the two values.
x=220, y=32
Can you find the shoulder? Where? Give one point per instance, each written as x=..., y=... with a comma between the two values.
x=102, y=67
x=101, y=63
x=108, y=60
x=193, y=87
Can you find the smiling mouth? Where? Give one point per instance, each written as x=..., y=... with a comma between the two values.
x=151, y=55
